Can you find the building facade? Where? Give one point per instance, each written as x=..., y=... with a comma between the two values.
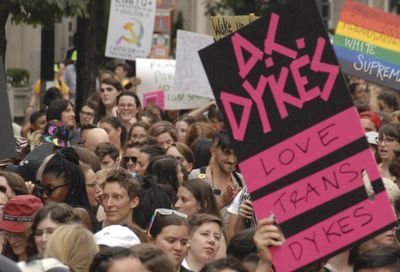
x=23, y=47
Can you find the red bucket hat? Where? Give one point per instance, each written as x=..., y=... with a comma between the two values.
x=373, y=117
x=19, y=211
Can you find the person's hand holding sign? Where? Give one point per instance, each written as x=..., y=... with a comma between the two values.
x=267, y=234
x=246, y=209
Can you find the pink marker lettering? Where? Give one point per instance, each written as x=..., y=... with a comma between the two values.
x=317, y=66
x=301, y=81
x=238, y=129
x=240, y=43
x=270, y=44
x=280, y=96
x=256, y=95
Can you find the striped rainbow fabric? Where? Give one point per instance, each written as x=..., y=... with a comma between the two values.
x=367, y=44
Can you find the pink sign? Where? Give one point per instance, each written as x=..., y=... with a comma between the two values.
x=155, y=98
x=344, y=228
x=318, y=188
x=297, y=135
x=303, y=148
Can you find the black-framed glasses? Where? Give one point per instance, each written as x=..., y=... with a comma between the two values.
x=164, y=212
x=388, y=140
x=48, y=189
x=130, y=158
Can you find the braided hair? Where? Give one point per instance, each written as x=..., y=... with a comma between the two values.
x=65, y=164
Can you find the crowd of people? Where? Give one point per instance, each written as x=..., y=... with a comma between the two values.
x=123, y=188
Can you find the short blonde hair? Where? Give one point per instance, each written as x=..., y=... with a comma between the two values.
x=102, y=175
x=73, y=245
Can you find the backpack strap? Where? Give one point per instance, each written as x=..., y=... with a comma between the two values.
x=237, y=178
x=203, y=169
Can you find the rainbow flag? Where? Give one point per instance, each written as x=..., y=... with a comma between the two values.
x=367, y=44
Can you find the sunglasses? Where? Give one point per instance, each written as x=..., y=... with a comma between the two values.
x=164, y=212
x=48, y=189
x=126, y=159
x=387, y=140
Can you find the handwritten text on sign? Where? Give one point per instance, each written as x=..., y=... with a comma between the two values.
x=157, y=74
x=276, y=84
x=367, y=44
x=130, y=29
x=303, y=154
x=190, y=77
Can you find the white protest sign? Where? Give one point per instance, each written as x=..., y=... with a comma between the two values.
x=130, y=28
x=190, y=75
x=159, y=74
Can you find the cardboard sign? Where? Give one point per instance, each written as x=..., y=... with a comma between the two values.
x=367, y=43
x=159, y=74
x=7, y=143
x=190, y=77
x=130, y=29
x=223, y=26
x=297, y=135
x=156, y=98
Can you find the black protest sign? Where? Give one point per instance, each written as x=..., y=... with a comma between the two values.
x=7, y=143
x=297, y=135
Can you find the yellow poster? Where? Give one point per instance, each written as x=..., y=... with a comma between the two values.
x=222, y=26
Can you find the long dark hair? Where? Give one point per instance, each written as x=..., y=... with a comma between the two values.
x=56, y=108
x=101, y=109
x=203, y=193
x=164, y=168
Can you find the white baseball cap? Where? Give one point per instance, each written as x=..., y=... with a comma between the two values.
x=116, y=236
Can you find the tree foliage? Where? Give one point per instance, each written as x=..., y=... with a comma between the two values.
x=241, y=7
x=42, y=12
x=37, y=12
